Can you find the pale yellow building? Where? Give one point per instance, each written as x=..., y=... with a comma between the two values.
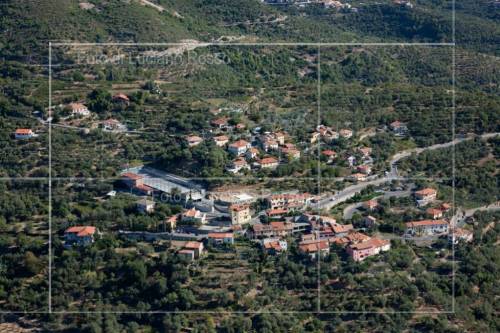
x=240, y=214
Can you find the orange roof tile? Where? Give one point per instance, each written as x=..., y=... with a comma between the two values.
x=23, y=131
x=220, y=235
x=426, y=191
x=81, y=231
x=425, y=223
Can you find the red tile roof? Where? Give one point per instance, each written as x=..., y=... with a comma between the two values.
x=23, y=131
x=276, y=211
x=121, y=96
x=238, y=208
x=426, y=191
x=425, y=223
x=239, y=144
x=268, y=160
x=132, y=176
x=313, y=247
x=220, y=235
x=329, y=152
x=81, y=231
x=193, y=245
x=371, y=243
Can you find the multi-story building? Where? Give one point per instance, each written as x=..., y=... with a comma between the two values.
x=240, y=213
x=425, y=196
x=289, y=201
x=239, y=147
x=371, y=247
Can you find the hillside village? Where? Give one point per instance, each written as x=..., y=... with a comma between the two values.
x=273, y=221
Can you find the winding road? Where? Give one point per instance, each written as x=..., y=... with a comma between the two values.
x=350, y=191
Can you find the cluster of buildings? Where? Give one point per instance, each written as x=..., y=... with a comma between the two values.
x=328, y=134
x=265, y=151
x=303, y=3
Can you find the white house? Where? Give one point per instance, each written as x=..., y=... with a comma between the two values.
x=239, y=147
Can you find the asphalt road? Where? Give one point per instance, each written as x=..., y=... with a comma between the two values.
x=349, y=192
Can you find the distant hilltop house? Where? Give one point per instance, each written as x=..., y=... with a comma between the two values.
x=24, y=133
x=240, y=213
x=193, y=140
x=426, y=227
x=334, y=4
x=425, y=196
x=371, y=247
x=398, y=128
x=79, y=235
x=78, y=109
